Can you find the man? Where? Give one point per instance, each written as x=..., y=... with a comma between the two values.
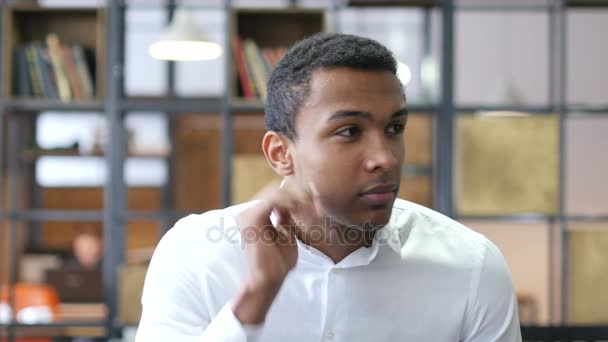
x=331, y=255
x=87, y=249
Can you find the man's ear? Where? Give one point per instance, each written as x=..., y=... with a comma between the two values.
x=276, y=148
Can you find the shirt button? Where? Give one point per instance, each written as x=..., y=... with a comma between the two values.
x=329, y=336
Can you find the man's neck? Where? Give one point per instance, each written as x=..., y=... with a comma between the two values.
x=335, y=241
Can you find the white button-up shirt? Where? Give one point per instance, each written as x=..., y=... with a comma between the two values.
x=424, y=278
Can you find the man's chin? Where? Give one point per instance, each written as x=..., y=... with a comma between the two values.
x=376, y=220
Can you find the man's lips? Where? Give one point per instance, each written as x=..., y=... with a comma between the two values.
x=379, y=195
x=380, y=188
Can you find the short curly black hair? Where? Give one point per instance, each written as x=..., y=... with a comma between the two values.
x=289, y=84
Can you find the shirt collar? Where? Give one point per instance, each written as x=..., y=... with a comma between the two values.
x=387, y=236
x=360, y=257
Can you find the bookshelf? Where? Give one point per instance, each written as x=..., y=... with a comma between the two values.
x=233, y=120
x=25, y=24
x=259, y=31
x=26, y=32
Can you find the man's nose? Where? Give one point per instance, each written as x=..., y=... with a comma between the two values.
x=380, y=154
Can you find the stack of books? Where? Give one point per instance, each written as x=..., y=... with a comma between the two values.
x=55, y=71
x=254, y=65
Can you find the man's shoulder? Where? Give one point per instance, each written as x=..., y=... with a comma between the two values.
x=430, y=230
x=212, y=233
x=211, y=221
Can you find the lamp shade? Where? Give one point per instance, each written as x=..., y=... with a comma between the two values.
x=404, y=73
x=183, y=41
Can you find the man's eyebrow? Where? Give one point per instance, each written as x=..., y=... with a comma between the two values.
x=362, y=114
x=349, y=113
x=401, y=112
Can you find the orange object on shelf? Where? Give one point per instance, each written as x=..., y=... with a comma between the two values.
x=31, y=295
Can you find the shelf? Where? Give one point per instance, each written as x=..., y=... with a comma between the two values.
x=534, y=217
x=503, y=7
x=587, y=3
x=150, y=215
x=416, y=171
x=521, y=218
x=533, y=110
x=580, y=108
x=40, y=105
x=587, y=218
x=66, y=324
x=55, y=215
x=57, y=329
x=565, y=333
x=32, y=6
x=146, y=215
x=240, y=105
x=173, y=105
x=414, y=108
x=392, y=3
x=32, y=155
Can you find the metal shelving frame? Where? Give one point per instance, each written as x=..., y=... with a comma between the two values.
x=115, y=105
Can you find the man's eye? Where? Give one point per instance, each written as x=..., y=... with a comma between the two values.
x=348, y=132
x=396, y=128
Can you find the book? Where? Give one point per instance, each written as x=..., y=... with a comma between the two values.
x=58, y=66
x=72, y=73
x=43, y=67
x=84, y=73
x=23, y=83
x=35, y=78
x=257, y=65
x=241, y=64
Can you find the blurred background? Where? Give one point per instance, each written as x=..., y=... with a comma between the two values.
x=121, y=116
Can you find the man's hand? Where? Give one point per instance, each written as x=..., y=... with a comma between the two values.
x=271, y=252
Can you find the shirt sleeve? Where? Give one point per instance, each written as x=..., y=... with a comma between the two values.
x=492, y=314
x=173, y=307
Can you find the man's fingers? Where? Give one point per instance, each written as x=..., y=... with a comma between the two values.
x=285, y=198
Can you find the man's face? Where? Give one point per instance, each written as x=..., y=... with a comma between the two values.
x=349, y=143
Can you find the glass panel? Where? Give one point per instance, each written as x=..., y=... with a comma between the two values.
x=401, y=30
x=147, y=134
x=72, y=3
x=68, y=148
x=204, y=77
x=506, y=165
x=194, y=3
x=314, y=3
x=587, y=70
x=501, y=3
x=417, y=189
x=70, y=171
x=144, y=199
x=260, y=3
x=501, y=58
x=91, y=171
x=197, y=162
x=251, y=171
x=419, y=140
x=526, y=250
x=588, y=268
x=4, y=252
x=61, y=130
x=144, y=75
x=142, y=237
x=416, y=181
x=586, y=165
